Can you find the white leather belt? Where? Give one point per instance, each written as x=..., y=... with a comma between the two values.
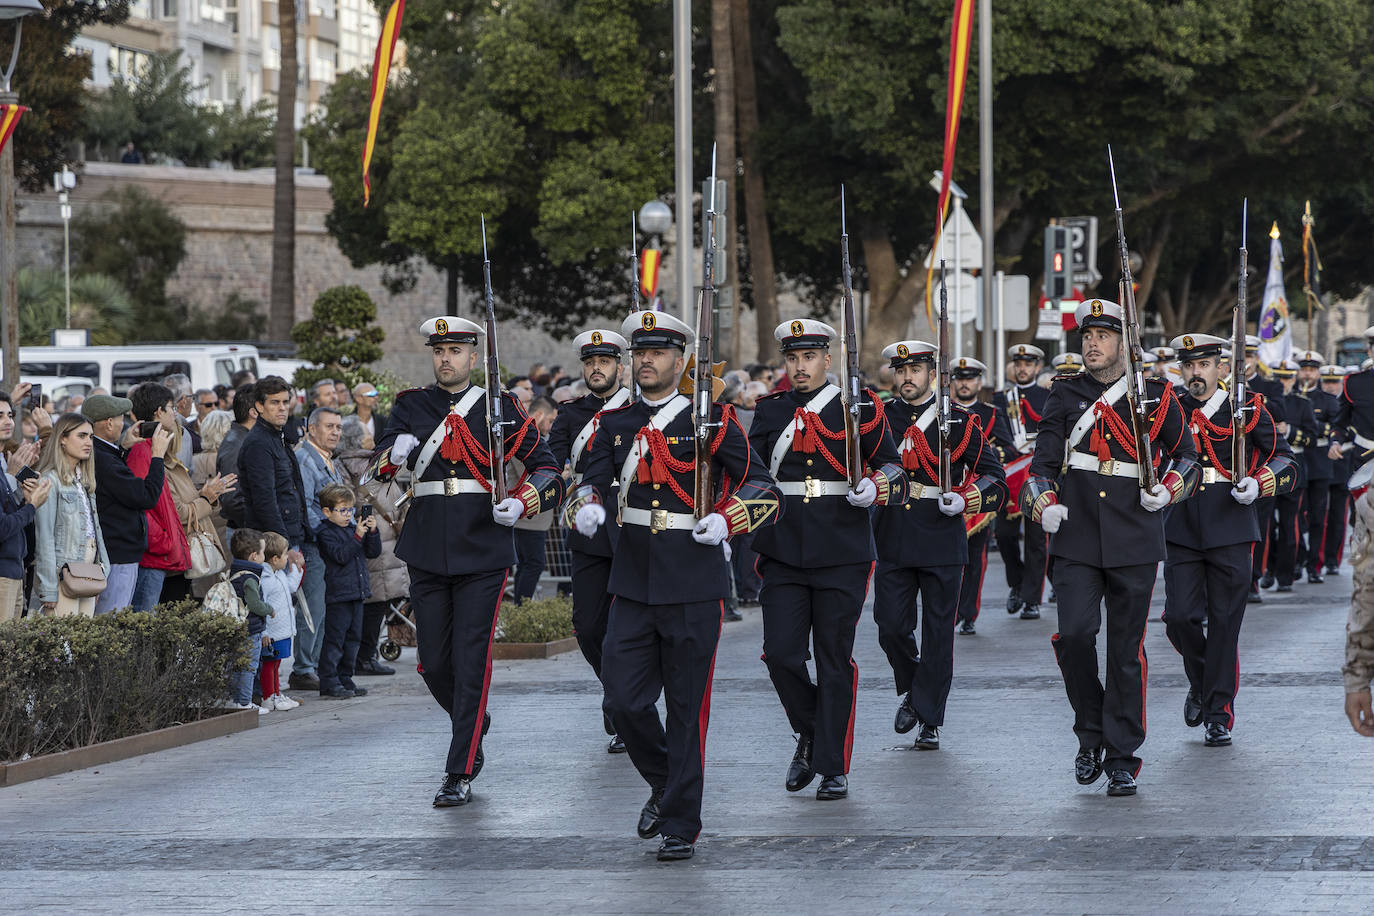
x=658, y=519
x=449, y=486
x=1364, y=443
x=1323, y=442
x=922, y=491
x=1297, y=449
x=1109, y=468
x=1213, y=475
x=810, y=487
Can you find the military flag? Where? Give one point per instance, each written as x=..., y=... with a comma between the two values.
x=381, y=69
x=1275, y=330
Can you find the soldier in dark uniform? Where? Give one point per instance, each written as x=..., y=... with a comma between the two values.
x=1023, y=403
x=923, y=544
x=1114, y=539
x=570, y=441
x=459, y=547
x=1207, y=570
x=669, y=574
x=1287, y=519
x=1338, y=499
x=1258, y=381
x=967, y=381
x=1354, y=422
x=1320, y=468
x=816, y=562
x=1066, y=364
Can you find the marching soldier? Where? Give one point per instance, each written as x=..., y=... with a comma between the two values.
x=1320, y=468
x=923, y=544
x=967, y=381
x=1259, y=381
x=669, y=572
x=1354, y=422
x=1207, y=570
x=1285, y=524
x=1068, y=364
x=457, y=545
x=1113, y=542
x=1338, y=501
x=1166, y=364
x=1023, y=403
x=816, y=562
x=570, y=441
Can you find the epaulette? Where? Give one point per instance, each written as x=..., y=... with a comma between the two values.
x=769, y=397
x=626, y=406
x=401, y=394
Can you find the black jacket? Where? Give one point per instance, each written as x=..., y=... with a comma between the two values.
x=227, y=462
x=345, y=561
x=273, y=495
x=572, y=417
x=15, y=517
x=122, y=498
x=1325, y=407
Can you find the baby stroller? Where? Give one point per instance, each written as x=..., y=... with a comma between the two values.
x=398, y=629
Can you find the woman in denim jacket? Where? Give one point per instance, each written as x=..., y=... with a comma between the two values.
x=68, y=527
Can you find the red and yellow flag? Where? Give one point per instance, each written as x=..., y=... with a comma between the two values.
x=648, y=273
x=960, y=42
x=381, y=69
x=9, y=120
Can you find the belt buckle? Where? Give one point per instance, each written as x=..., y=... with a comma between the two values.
x=658, y=519
x=1107, y=468
x=450, y=486
x=917, y=489
x=813, y=487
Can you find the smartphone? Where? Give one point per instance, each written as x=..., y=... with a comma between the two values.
x=146, y=428
x=26, y=473
x=364, y=512
x=35, y=398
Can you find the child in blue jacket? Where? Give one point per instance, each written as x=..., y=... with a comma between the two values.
x=345, y=544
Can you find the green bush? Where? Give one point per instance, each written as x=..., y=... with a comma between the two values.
x=544, y=620
x=67, y=682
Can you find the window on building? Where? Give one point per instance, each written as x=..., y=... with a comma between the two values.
x=169, y=9
x=231, y=14
x=212, y=10
x=140, y=9
x=127, y=63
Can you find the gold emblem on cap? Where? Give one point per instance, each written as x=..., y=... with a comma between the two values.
x=963, y=364
x=647, y=322
x=1188, y=342
x=902, y=351
x=798, y=329
x=441, y=326
x=1096, y=308
x=1021, y=350
x=596, y=338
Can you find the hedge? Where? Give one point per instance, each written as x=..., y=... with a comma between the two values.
x=544, y=620
x=68, y=682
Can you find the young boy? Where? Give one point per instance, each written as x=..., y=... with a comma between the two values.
x=279, y=580
x=345, y=544
x=245, y=575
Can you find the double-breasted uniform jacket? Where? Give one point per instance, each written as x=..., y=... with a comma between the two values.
x=573, y=417
x=1325, y=408
x=1031, y=399
x=1354, y=421
x=996, y=428
x=1303, y=430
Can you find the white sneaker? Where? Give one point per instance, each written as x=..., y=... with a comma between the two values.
x=233, y=705
x=283, y=702
x=264, y=709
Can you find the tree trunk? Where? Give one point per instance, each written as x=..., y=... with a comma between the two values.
x=756, y=210
x=723, y=62
x=893, y=299
x=451, y=289
x=282, y=312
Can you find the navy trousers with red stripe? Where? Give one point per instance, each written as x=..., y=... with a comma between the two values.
x=817, y=608
x=1208, y=585
x=1110, y=715
x=454, y=620
x=1333, y=541
x=1259, y=551
x=1313, y=528
x=971, y=587
x=1024, y=579
x=926, y=670
x=591, y=607
x=1283, y=545
x=668, y=649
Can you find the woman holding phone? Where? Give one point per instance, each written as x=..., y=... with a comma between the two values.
x=67, y=525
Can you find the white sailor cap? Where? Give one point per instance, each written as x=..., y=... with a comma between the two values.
x=1284, y=368
x=1166, y=354
x=1332, y=373
x=804, y=334
x=1098, y=313
x=1309, y=359
x=1251, y=342
x=908, y=352
x=1369, y=333
x=450, y=329
x=599, y=342
x=650, y=330
x=1148, y=358
x=1025, y=351
x=1068, y=362
x=1195, y=346
x=966, y=367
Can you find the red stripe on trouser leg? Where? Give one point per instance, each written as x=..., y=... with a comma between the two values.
x=853, y=702
x=982, y=574
x=1144, y=678
x=704, y=713
x=1229, y=707
x=476, y=738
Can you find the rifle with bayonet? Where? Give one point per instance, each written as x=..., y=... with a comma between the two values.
x=703, y=374
x=1135, y=365
x=849, y=350
x=1238, y=462
x=634, y=258
x=496, y=433
x=942, y=392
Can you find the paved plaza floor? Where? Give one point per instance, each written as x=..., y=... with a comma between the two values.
x=327, y=808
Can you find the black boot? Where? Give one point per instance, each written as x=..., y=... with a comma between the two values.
x=800, y=772
x=456, y=791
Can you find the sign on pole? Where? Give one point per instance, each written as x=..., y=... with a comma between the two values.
x=1083, y=243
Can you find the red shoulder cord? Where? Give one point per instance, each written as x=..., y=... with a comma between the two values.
x=651, y=441
x=1212, y=433
x=810, y=432
x=460, y=445
x=1029, y=410
x=918, y=453
x=1107, y=416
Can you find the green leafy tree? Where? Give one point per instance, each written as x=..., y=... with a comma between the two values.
x=99, y=304
x=340, y=338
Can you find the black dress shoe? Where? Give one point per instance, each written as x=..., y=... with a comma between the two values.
x=616, y=745
x=1284, y=588
x=336, y=693
x=906, y=717
x=832, y=788
x=674, y=848
x=1314, y=578
x=1192, y=709
x=303, y=682
x=1332, y=571
x=1218, y=735
x=1030, y=612
x=650, y=820
x=1087, y=766
x=1267, y=581
x=1013, y=603
x=1120, y=783
x=456, y=791
x=373, y=668
x=357, y=691
x=731, y=616
x=966, y=629
x=800, y=772
x=1255, y=596
x=928, y=739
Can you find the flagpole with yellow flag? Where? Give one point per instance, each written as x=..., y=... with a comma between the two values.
x=381, y=69
x=960, y=41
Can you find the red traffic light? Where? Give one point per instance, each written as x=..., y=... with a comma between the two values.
x=1059, y=262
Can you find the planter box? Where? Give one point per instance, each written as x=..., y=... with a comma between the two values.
x=80, y=758
x=509, y=650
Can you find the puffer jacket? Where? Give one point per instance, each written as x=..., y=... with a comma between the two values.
x=60, y=528
x=277, y=588
x=390, y=578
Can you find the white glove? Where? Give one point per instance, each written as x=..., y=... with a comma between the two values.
x=589, y=518
x=951, y=504
x=405, y=443
x=1245, y=492
x=864, y=496
x=1155, y=499
x=1051, y=517
x=728, y=552
x=711, y=530
x=507, y=511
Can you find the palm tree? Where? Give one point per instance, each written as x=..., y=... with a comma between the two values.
x=99, y=303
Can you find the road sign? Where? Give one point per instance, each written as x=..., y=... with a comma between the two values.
x=1083, y=242
x=1015, y=303
x=960, y=236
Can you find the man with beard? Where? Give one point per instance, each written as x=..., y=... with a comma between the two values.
x=1023, y=403
x=1114, y=541
x=817, y=560
x=1207, y=570
x=922, y=542
x=1320, y=468
x=967, y=381
x=459, y=546
x=1286, y=521
x=570, y=441
x=670, y=573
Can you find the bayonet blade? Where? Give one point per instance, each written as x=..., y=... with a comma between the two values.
x=843, y=229
x=1111, y=165
x=484, y=237
x=1244, y=220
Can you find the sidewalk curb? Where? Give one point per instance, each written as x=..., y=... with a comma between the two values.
x=11, y=774
x=510, y=650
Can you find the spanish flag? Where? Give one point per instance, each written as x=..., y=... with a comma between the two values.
x=960, y=40
x=9, y=120
x=381, y=68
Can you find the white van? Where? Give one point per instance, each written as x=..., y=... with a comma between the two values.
x=118, y=369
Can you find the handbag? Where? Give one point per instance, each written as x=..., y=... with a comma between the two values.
x=81, y=580
x=206, y=556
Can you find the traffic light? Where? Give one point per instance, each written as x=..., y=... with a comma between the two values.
x=1058, y=263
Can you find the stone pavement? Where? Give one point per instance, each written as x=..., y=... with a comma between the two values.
x=328, y=807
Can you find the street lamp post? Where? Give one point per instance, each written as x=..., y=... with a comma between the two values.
x=63, y=182
x=9, y=293
x=655, y=219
